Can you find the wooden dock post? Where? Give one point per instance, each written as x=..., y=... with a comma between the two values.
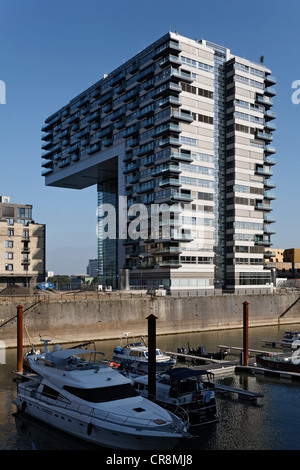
x=20, y=339
x=245, y=333
x=151, y=356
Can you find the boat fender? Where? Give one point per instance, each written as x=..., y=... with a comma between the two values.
x=23, y=407
x=89, y=429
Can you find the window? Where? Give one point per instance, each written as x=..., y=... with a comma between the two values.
x=9, y=267
x=9, y=255
x=103, y=394
x=9, y=244
x=10, y=232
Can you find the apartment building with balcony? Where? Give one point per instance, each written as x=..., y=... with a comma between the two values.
x=184, y=125
x=22, y=246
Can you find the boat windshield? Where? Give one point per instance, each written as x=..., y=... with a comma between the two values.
x=158, y=353
x=103, y=394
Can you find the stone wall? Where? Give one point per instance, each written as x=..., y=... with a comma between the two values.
x=83, y=317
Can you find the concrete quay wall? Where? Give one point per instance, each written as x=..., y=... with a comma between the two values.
x=82, y=317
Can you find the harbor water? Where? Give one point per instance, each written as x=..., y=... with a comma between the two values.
x=270, y=424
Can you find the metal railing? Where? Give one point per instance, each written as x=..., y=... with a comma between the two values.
x=107, y=416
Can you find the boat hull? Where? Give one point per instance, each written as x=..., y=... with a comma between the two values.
x=283, y=366
x=90, y=430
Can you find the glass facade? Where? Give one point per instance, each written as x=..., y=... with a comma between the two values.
x=219, y=155
x=107, y=242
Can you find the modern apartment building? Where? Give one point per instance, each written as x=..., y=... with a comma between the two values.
x=22, y=245
x=92, y=267
x=184, y=125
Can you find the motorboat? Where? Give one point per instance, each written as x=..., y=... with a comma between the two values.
x=92, y=401
x=292, y=338
x=280, y=362
x=136, y=354
x=201, y=353
x=184, y=391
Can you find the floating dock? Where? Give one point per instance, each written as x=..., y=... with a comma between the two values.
x=282, y=375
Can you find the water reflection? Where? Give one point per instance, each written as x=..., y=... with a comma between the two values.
x=271, y=424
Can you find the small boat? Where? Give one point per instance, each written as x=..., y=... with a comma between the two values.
x=137, y=354
x=281, y=362
x=201, y=352
x=94, y=402
x=290, y=340
x=291, y=336
x=183, y=391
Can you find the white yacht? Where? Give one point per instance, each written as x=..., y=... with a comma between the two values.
x=93, y=402
x=137, y=354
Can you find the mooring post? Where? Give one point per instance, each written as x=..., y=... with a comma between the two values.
x=245, y=332
x=151, y=356
x=19, y=338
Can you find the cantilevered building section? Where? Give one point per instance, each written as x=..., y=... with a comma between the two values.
x=189, y=125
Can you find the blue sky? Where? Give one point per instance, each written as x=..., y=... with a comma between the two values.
x=51, y=50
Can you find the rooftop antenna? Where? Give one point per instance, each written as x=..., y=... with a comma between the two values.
x=262, y=58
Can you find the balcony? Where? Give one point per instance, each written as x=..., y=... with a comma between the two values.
x=269, y=125
x=269, y=115
x=179, y=196
x=171, y=46
x=47, y=164
x=94, y=148
x=182, y=115
x=168, y=249
x=47, y=172
x=170, y=141
x=47, y=136
x=117, y=79
x=269, y=195
x=269, y=150
x=182, y=156
x=269, y=161
x=265, y=100
x=263, y=206
x=264, y=136
x=166, y=169
x=270, y=80
x=182, y=75
x=167, y=89
x=269, y=230
x=262, y=171
x=170, y=182
x=180, y=236
x=107, y=142
x=270, y=92
x=170, y=101
x=169, y=59
x=263, y=242
x=170, y=264
x=105, y=98
x=168, y=128
x=269, y=184
x=269, y=219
